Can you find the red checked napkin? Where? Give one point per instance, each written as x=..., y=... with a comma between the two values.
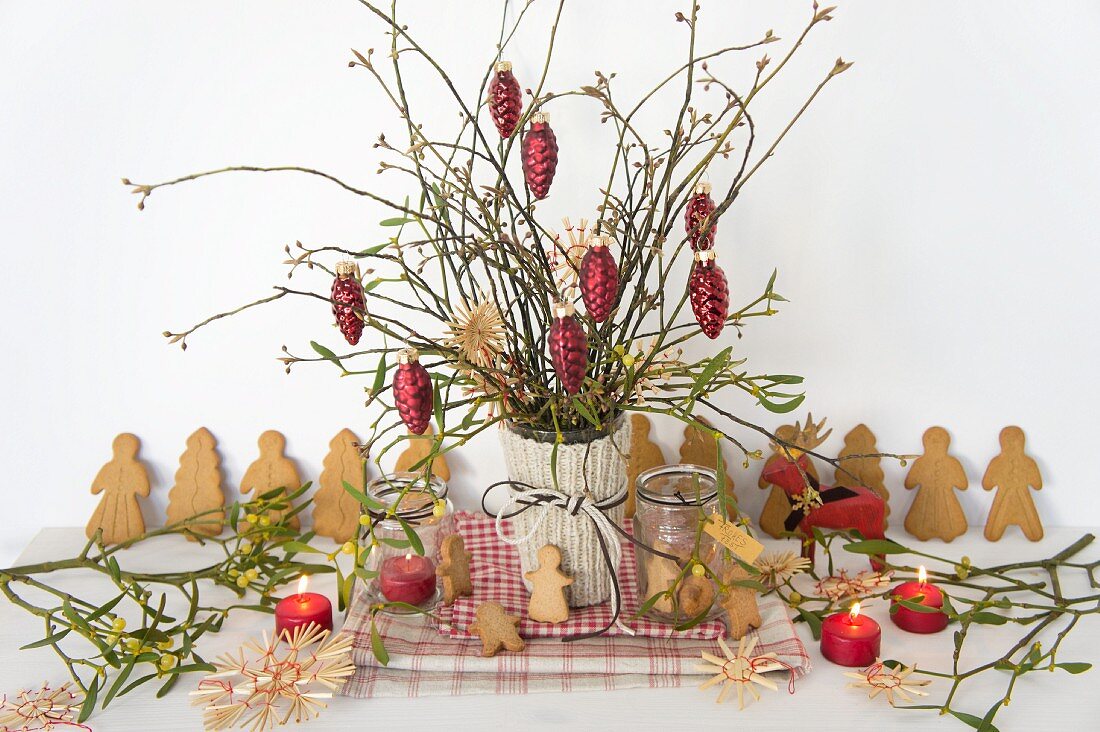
x=425, y=662
x=497, y=577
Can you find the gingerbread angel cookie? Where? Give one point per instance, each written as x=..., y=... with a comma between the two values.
x=121, y=481
x=936, y=512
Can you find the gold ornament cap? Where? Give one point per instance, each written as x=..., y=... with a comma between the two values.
x=408, y=355
x=602, y=240
x=540, y=118
x=502, y=66
x=703, y=187
x=704, y=255
x=563, y=309
x=346, y=268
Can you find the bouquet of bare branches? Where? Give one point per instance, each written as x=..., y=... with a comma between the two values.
x=554, y=330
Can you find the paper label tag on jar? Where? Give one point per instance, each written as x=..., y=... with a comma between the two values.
x=729, y=535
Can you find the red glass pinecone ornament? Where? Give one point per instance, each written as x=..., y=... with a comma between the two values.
x=505, y=99
x=599, y=280
x=699, y=209
x=540, y=155
x=568, y=348
x=412, y=391
x=709, y=294
x=348, y=303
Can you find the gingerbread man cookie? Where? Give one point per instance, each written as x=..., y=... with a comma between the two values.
x=454, y=569
x=740, y=605
x=497, y=630
x=548, y=583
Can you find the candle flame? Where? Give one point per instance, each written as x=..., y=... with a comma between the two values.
x=854, y=612
x=922, y=575
x=408, y=557
x=303, y=583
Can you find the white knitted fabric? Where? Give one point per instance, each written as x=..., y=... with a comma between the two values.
x=528, y=460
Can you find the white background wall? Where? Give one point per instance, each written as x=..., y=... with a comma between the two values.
x=931, y=219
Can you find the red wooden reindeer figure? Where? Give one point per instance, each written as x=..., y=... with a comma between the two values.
x=812, y=504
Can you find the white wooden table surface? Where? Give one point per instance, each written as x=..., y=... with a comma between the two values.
x=1041, y=701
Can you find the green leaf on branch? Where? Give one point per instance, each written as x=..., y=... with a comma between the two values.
x=326, y=354
x=1076, y=667
x=414, y=540
x=396, y=221
x=875, y=546
x=713, y=367
x=377, y=647
x=917, y=607
x=976, y=722
x=781, y=408
x=811, y=620
x=293, y=547
x=379, y=376
x=371, y=251
x=985, y=618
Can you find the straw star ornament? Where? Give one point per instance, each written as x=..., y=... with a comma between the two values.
x=45, y=708
x=478, y=332
x=740, y=670
x=279, y=681
x=879, y=678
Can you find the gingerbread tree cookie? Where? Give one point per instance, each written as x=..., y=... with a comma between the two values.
x=936, y=512
x=864, y=471
x=644, y=454
x=454, y=569
x=335, y=511
x=198, y=486
x=497, y=630
x=548, y=583
x=270, y=471
x=1013, y=474
x=121, y=481
x=700, y=448
x=419, y=447
x=742, y=611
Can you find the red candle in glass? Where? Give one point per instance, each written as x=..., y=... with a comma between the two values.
x=302, y=609
x=850, y=639
x=409, y=579
x=921, y=592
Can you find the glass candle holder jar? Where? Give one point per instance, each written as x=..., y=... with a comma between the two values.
x=400, y=571
x=672, y=503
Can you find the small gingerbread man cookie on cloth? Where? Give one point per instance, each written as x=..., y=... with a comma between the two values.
x=454, y=569
x=497, y=630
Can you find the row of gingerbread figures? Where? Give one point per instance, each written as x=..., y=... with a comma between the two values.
x=935, y=512
x=198, y=485
x=935, y=475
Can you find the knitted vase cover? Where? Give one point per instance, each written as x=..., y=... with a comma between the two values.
x=528, y=460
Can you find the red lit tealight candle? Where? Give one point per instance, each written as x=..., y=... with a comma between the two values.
x=409, y=579
x=302, y=609
x=921, y=592
x=850, y=639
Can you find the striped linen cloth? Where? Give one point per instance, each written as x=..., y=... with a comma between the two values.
x=425, y=660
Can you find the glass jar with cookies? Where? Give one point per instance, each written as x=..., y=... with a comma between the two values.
x=673, y=502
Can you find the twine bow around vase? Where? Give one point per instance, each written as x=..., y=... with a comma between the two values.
x=527, y=497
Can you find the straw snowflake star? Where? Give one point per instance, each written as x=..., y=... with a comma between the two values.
x=778, y=567
x=41, y=709
x=478, y=332
x=279, y=682
x=565, y=259
x=840, y=586
x=740, y=669
x=895, y=682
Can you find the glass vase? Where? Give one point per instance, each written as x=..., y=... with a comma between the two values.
x=405, y=533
